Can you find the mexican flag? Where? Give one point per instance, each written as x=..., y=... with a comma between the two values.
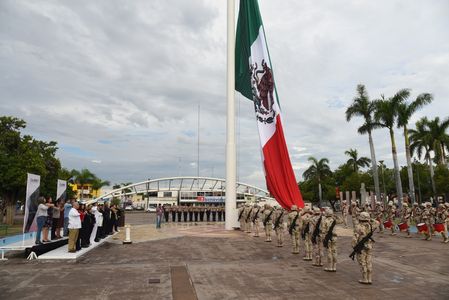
x=254, y=79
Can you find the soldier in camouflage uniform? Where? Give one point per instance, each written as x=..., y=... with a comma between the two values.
x=294, y=225
x=316, y=223
x=379, y=215
x=365, y=258
x=344, y=212
x=241, y=219
x=247, y=216
x=390, y=214
x=329, y=238
x=442, y=217
x=267, y=219
x=306, y=235
x=406, y=214
x=427, y=217
x=255, y=217
x=355, y=212
x=416, y=214
x=278, y=219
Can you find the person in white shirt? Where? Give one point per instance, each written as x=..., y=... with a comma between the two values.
x=74, y=226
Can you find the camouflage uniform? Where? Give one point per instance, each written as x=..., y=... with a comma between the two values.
x=278, y=215
x=427, y=217
x=255, y=216
x=316, y=223
x=332, y=242
x=355, y=212
x=297, y=227
x=344, y=212
x=365, y=258
x=240, y=214
x=247, y=216
x=379, y=216
x=406, y=214
x=390, y=213
x=442, y=217
x=416, y=213
x=306, y=219
x=267, y=219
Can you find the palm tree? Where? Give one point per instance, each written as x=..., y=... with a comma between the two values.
x=97, y=183
x=355, y=162
x=440, y=139
x=82, y=178
x=405, y=112
x=363, y=107
x=421, y=142
x=318, y=171
x=386, y=114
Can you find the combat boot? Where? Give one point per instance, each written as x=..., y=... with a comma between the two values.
x=334, y=267
x=369, y=277
x=364, y=279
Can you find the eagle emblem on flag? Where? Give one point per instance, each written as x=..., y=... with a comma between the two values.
x=262, y=85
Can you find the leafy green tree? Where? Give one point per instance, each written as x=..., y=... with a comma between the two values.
x=355, y=161
x=20, y=155
x=405, y=112
x=422, y=142
x=386, y=116
x=363, y=107
x=83, y=178
x=318, y=171
x=439, y=138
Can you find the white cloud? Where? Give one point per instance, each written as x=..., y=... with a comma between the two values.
x=121, y=81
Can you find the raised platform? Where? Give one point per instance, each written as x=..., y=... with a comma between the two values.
x=62, y=252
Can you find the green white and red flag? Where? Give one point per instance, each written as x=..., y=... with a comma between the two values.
x=254, y=79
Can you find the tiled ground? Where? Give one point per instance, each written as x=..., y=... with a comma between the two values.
x=228, y=265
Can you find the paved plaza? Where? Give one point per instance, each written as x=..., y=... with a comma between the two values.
x=203, y=261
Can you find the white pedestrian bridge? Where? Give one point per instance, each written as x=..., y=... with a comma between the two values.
x=187, y=189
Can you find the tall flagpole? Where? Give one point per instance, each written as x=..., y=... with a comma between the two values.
x=231, y=211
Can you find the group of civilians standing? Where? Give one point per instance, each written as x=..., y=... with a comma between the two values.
x=83, y=224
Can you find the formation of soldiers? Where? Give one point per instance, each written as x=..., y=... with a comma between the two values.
x=427, y=219
x=316, y=228
x=197, y=213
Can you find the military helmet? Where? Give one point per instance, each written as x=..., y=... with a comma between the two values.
x=415, y=204
x=446, y=204
x=405, y=204
x=316, y=211
x=441, y=205
x=364, y=216
x=344, y=201
x=390, y=203
x=328, y=212
x=294, y=207
x=353, y=203
x=306, y=209
x=428, y=204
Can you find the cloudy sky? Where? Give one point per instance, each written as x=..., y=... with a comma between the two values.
x=118, y=83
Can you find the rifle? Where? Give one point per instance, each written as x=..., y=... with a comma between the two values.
x=316, y=231
x=267, y=218
x=240, y=214
x=278, y=221
x=249, y=215
x=305, y=230
x=357, y=249
x=293, y=224
x=255, y=216
x=329, y=235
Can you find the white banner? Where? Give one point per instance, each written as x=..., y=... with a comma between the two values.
x=32, y=195
x=61, y=190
